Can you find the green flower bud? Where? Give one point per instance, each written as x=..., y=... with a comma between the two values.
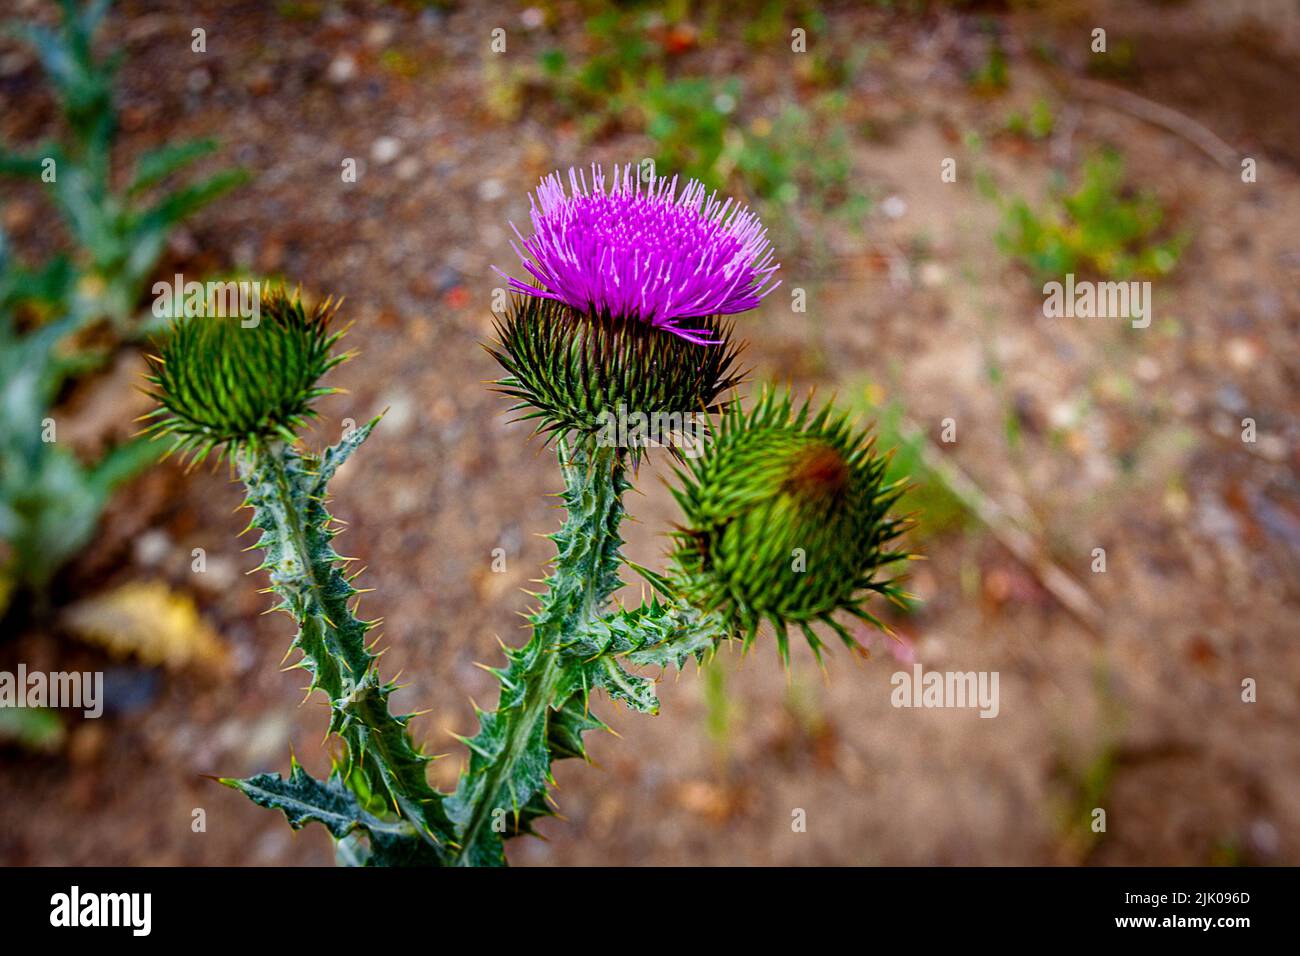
x=574, y=370
x=787, y=520
x=220, y=382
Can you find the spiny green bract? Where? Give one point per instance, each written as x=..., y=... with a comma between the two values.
x=786, y=520
x=571, y=368
x=220, y=383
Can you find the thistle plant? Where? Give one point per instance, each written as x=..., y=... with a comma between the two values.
x=786, y=515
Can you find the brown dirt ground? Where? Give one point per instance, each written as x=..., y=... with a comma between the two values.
x=1129, y=444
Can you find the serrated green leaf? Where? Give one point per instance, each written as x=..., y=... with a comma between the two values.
x=287, y=492
x=303, y=799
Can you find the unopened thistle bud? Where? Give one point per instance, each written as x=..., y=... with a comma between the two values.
x=786, y=519
x=630, y=286
x=219, y=383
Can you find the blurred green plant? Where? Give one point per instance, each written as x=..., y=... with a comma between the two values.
x=771, y=20
x=927, y=492
x=1101, y=228
x=804, y=156
x=628, y=81
x=117, y=236
x=33, y=729
x=990, y=78
x=1085, y=776
x=1037, y=123
x=601, y=91
x=688, y=121
x=50, y=500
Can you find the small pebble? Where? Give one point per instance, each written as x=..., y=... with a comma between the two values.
x=385, y=149
x=342, y=69
x=491, y=189
x=379, y=34
x=1242, y=354
x=152, y=547
x=933, y=274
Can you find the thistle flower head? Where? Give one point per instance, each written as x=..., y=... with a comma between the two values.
x=786, y=519
x=220, y=382
x=647, y=253
x=578, y=370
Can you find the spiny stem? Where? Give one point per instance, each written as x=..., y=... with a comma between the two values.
x=538, y=690
x=510, y=757
x=381, y=764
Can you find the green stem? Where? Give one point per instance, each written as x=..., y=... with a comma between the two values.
x=381, y=764
x=331, y=637
x=494, y=780
x=537, y=718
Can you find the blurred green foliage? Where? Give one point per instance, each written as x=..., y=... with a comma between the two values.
x=1085, y=775
x=817, y=170
x=1036, y=124
x=1100, y=228
x=927, y=492
x=50, y=501
x=117, y=236
x=34, y=729
x=688, y=121
x=633, y=77
x=990, y=78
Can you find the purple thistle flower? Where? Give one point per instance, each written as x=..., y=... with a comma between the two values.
x=648, y=254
